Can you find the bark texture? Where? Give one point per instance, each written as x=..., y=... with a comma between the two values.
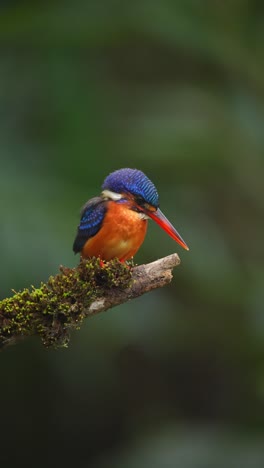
x=60, y=305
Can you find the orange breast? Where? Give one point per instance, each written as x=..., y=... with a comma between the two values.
x=121, y=234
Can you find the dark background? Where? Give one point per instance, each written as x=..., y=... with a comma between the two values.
x=176, y=89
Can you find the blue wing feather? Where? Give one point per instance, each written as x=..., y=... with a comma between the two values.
x=92, y=216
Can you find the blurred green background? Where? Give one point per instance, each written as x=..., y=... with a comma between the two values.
x=176, y=89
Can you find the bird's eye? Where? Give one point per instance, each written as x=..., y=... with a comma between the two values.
x=139, y=200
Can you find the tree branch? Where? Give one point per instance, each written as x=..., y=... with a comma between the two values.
x=61, y=304
x=144, y=278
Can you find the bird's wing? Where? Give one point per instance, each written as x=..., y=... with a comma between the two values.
x=92, y=216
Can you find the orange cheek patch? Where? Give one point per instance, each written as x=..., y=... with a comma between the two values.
x=149, y=207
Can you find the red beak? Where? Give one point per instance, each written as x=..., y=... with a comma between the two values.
x=162, y=221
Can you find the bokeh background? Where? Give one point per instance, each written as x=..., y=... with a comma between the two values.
x=176, y=89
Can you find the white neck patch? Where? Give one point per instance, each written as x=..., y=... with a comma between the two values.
x=143, y=216
x=112, y=195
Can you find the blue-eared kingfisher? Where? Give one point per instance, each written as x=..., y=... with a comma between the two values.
x=115, y=223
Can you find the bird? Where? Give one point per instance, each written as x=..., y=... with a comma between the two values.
x=114, y=224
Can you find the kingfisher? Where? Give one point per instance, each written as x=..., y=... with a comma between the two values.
x=114, y=224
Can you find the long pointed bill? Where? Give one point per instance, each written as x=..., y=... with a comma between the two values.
x=163, y=222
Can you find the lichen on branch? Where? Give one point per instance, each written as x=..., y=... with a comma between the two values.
x=60, y=305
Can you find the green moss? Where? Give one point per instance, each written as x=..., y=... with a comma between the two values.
x=60, y=305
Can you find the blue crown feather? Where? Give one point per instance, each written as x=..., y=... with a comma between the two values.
x=132, y=181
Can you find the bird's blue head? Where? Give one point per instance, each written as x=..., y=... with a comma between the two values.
x=135, y=182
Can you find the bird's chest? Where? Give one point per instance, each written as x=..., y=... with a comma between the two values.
x=122, y=233
x=125, y=224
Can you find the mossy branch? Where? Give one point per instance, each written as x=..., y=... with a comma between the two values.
x=60, y=305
